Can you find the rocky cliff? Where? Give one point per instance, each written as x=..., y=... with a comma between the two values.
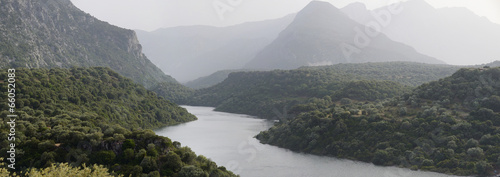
x=54, y=33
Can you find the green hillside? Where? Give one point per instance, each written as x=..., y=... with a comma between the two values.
x=448, y=126
x=210, y=80
x=173, y=92
x=95, y=116
x=261, y=93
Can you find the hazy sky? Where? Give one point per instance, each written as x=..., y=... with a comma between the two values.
x=153, y=14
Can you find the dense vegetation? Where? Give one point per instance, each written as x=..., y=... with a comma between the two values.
x=61, y=170
x=448, y=126
x=54, y=33
x=172, y=91
x=95, y=116
x=211, y=80
x=98, y=94
x=260, y=93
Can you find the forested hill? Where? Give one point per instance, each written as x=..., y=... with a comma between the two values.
x=54, y=33
x=449, y=126
x=98, y=94
x=210, y=80
x=258, y=93
x=468, y=88
x=407, y=73
x=95, y=116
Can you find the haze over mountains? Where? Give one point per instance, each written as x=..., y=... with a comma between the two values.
x=455, y=35
x=322, y=35
x=190, y=52
x=319, y=35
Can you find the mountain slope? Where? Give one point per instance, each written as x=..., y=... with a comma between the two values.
x=440, y=33
x=258, y=93
x=100, y=93
x=86, y=116
x=449, y=126
x=210, y=80
x=54, y=33
x=321, y=34
x=190, y=52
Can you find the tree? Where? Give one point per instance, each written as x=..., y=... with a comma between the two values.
x=128, y=143
x=104, y=157
x=475, y=152
x=172, y=161
x=192, y=171
x=66, y=170
x=152, y=150
x=381, y=157
x=149, y=164
x=493, y=103
x=483, y=168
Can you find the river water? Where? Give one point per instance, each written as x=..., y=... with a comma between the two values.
x=228, y=140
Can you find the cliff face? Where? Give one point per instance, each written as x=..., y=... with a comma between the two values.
x=54, y=33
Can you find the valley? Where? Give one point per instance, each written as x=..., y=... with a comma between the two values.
x=405, y=89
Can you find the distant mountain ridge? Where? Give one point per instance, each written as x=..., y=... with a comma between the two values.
x=318, y=36
x=210, y=80
x=455, y=35
x=190, y=52
x=54, y=33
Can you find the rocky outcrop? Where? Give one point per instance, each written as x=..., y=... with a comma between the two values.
x=54, y=33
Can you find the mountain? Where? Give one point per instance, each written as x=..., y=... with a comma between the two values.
x=190, y=52
x=173, y=92
x=219, y=76
x=260, y=93
x=99, y=93
x=448, y=126
x=94, y=116
x=493, y=64
x=210, y=80
x=440, y=33
x=54, y=33
x=322, y=35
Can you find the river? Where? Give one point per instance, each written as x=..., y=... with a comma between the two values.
x=228, y=140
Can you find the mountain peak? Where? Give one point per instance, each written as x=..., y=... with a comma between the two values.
x=320, y=34
x=355, y=6
x=318, y=6
x=320, y=14
x=418, y=4
x=318, y=3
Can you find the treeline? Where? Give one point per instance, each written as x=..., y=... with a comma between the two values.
x=261, y=93
x=211, y=80
x=95, y=116
x=173, y=92
x=448, y=126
